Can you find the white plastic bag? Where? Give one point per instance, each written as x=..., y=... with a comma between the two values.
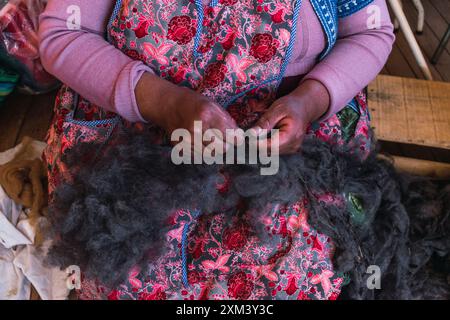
x=19, y=43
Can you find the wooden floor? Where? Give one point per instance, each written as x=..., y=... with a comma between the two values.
x=23, y=115
x=437, y=18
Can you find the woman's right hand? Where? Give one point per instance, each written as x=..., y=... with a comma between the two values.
x=172, y=107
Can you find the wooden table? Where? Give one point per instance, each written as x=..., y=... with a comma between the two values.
x=412, y=112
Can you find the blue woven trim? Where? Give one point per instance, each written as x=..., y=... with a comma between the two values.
x=113, y=17
x=354, y=105
x=214, y=3
x=235, y=97
x=327, y=13
x=349, y=7
x=184, y=243
x=91, y=124
x=113, y=122
x=198, y=33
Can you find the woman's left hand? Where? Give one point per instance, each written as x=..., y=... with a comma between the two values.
x=293, y=113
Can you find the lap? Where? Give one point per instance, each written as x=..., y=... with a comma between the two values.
x=225, y=260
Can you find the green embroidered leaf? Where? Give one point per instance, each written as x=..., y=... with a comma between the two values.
x=349, y=119
x=356, y=208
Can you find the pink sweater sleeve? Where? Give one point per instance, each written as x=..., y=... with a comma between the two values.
x=104, y=75
x=358, y=56
x=85, y=61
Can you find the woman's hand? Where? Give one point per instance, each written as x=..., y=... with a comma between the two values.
x=293, y=113
x=172, y=107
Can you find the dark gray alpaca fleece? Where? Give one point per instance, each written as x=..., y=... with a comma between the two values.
x=113, y=216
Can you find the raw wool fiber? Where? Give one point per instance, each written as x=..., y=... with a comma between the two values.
x=24, y=179
x=113, y=215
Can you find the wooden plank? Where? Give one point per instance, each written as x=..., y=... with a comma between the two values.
x=422, y=167
x=386, y=102
x=415, y=151
x=411, y=111
x=439, y=93
x=419, y=113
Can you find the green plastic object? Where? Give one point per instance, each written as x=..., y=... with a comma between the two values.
x=8, y=81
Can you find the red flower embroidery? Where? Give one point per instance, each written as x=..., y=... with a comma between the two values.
x=156, y=294
x=264, y=47
x=59, y=125
x=133, y=54
x=234, y=238
x=291, y=287
x=181, y=29
x=303, y=296
x=228, y=42
x=317, y=245
x=194, y=277
x=114, y=295
x=197, y=252
x=142, y=29
x=207, y=46
x=178, y=76
x=283, y=227
x=228, y=2
x=333, y=296
x=214, y=74
x=278, y=16
x=239, y=286
x=60, y=119
x=243, y=115
x=204, y=293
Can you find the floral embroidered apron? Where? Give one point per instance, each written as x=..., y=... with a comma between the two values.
x=236, y=53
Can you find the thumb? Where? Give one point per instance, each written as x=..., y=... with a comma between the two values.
x=268, y=120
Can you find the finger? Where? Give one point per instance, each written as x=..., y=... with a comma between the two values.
x=276, y=143
x=269, y=119
x=289, y=144
x=285, y=139
x=225, y=121
x=214, y=125
x=222, y=122
x=214, y=142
